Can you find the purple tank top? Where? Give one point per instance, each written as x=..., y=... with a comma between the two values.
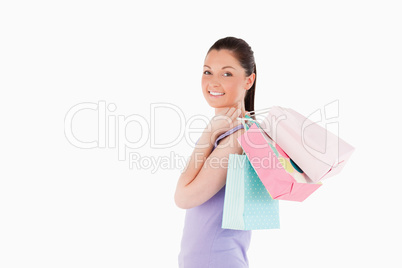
x=204, y=243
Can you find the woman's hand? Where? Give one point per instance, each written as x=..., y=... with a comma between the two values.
x=221, y=123
x=206, y=171
x=202, y=177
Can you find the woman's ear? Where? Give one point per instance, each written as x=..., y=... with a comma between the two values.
x=250, y=81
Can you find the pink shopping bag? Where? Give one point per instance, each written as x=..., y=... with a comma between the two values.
x=282, y=178
x=317, y=151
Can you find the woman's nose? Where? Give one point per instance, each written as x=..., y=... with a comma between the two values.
x=215, y=82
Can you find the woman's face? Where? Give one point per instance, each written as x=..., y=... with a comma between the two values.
x=224, y=81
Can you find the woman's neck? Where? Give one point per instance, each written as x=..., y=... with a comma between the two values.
x=223, y=110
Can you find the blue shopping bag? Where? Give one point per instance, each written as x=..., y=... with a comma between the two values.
x=247, y=204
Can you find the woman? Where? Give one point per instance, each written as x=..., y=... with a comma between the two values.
x=228, y=85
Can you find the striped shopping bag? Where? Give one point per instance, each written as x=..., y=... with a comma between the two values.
x=247, y=204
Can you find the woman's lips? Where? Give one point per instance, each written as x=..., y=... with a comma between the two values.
x=216, y=94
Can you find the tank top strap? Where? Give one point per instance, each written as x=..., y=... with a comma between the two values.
x=227, y=133
x=230, y=131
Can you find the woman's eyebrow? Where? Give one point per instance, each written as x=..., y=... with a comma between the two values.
x=228, y=67
x=222, y=67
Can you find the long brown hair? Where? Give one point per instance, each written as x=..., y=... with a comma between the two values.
x=245, y=55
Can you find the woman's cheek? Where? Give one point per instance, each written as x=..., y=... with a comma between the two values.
x=232, y=87
x=203, y=84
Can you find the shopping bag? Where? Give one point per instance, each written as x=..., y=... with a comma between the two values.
x=247, y=204
x=281, y=176
x=317, y=151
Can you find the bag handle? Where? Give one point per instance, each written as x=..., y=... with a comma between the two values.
x=262, y=111
x=257, y=112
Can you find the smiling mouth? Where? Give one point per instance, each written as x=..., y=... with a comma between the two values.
x=213, y=93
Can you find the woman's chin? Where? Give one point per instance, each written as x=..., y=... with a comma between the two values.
x=216, y=105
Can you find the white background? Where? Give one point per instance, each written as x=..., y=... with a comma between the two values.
x=64, y=206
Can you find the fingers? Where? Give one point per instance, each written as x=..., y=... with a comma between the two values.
x=233, y=110
x=230, y=111
x=233, y=118
x=236, y=113
x=238, y=110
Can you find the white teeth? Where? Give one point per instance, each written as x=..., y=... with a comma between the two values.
x=216, y=93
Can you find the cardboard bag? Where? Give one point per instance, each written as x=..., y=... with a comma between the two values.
x=283, y=179
x=317, y=151
x=247, y=204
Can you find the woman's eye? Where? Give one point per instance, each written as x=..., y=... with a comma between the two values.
x=207, y=72
x=227, y=74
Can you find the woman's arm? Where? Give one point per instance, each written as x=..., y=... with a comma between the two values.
x=205, y=173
